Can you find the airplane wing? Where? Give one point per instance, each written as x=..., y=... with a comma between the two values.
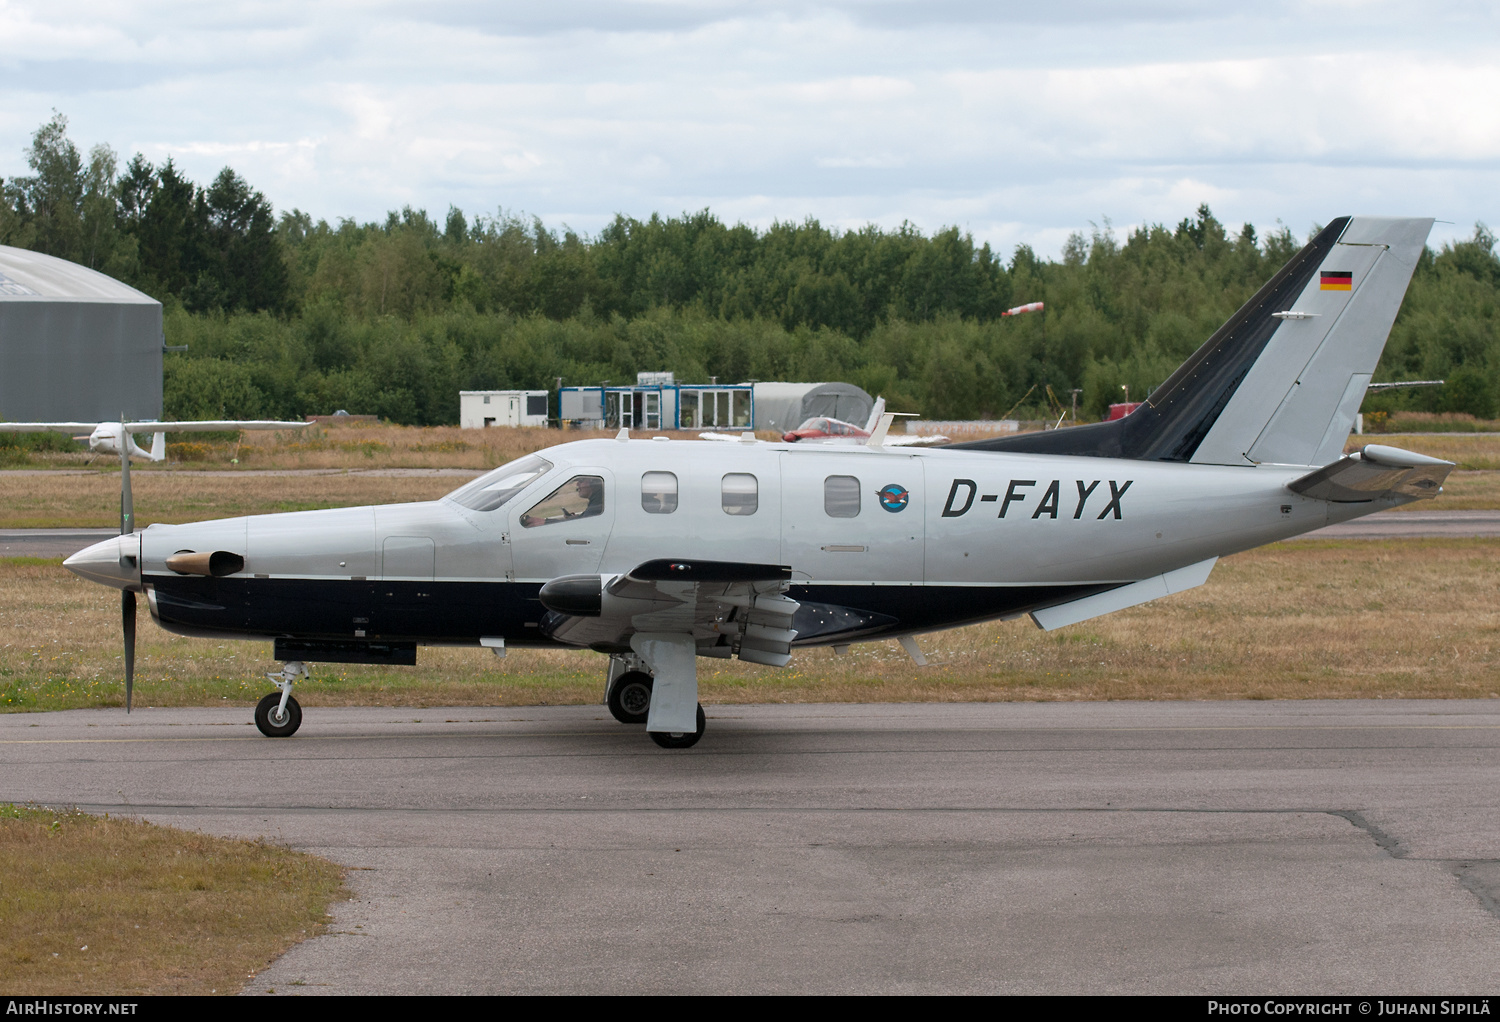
x=207, y=426
x=726, y=437
x=47, y=427
x=1375, y=471
x=149, y=427
x=730, y=608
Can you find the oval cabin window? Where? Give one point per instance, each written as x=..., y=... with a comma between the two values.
x=659, y=493
x=740, y=494
x=841, y=496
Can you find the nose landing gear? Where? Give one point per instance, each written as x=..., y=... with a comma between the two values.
x=278, y=715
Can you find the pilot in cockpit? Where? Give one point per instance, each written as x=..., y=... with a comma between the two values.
x=579, y=497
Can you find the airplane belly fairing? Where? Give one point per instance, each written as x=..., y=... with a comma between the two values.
x=461, y=613
x=434, y=613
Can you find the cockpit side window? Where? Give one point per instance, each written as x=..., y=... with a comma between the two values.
x=659, y=493
x=493, y=489
x=579, y=497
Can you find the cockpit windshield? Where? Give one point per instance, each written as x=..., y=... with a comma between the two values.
x=493, y=489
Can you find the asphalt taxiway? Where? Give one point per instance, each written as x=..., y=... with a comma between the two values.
x=1257, y=847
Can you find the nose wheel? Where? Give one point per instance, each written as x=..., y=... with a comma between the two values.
x=278, y=715
x=685, y=740
x=275, y=720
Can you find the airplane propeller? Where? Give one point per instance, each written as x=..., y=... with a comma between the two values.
x=127, y=596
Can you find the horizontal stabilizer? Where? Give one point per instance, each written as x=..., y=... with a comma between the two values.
x=1373, y=472
x=1144, y=591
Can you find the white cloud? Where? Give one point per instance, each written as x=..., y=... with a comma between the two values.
x=1018, y=121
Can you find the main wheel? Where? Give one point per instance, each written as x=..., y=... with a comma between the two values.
x=275, y=725
x=683, y=741
x=630, y=697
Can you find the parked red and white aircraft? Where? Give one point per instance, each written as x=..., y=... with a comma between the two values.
x=823, y=429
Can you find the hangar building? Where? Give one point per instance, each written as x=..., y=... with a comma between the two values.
x=75, y=345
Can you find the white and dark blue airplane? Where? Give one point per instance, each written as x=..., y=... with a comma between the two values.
x=656, y=552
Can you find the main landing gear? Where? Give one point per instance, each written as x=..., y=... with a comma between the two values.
x=681, y=740
x=628, y=695
x=278, y=715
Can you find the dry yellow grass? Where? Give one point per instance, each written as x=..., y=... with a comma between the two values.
x=35, y=500
x=356, y=446
x=1463, y=491
x=185, y=492
x=119, y=907
x=1475, y=452
x=1307, y=619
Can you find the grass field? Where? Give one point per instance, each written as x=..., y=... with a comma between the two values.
x=90, y=905
x=1306, y=619
x=185, y=492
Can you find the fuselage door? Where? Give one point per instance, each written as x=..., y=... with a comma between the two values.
x=856, y=519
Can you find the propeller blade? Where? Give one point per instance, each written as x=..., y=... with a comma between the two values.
x=127, y=598
x=127, y=623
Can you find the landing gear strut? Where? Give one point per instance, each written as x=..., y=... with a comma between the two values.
x=654, y=684
x=278, y=715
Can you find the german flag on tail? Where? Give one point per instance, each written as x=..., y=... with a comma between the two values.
x=1336, y=280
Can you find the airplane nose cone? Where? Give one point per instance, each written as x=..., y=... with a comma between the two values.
x=113, y=562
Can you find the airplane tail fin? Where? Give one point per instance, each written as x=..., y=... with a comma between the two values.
x=1283, y=378
x=875, y=414
x=159, y=447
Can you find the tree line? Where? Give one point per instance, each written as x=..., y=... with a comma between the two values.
x=286, y=315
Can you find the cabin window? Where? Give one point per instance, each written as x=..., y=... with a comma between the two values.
x=579, y=497
x=492, y=490
x=740, y=494
x=659, y=493
x=841, y=496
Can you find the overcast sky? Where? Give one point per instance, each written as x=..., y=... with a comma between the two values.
x=1017, y=121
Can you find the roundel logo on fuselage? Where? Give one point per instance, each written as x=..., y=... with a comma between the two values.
x=893, y=497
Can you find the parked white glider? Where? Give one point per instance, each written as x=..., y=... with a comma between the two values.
x=104, y=437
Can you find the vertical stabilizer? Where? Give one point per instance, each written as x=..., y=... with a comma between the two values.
x=1283, y=378
x=159, y=447
x=1297, y=404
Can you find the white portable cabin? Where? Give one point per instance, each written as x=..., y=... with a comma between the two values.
x=480, y=409
x=658, y=402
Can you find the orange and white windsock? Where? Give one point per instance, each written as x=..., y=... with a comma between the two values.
x=1032, y=307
